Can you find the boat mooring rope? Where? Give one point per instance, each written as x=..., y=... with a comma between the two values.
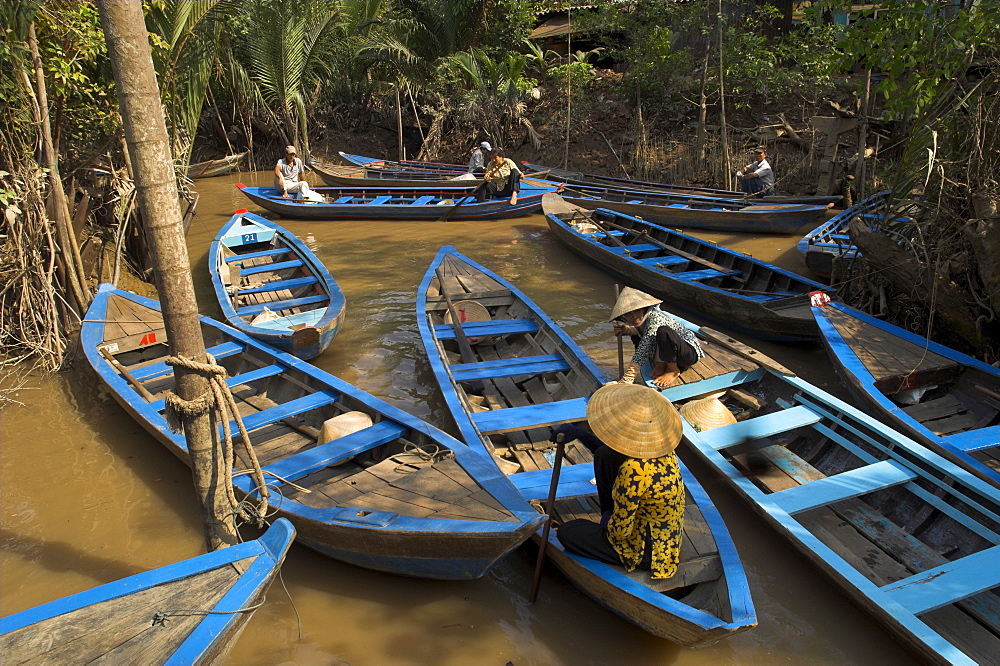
x=422, y=455
x=160, y=617
x=217, y=403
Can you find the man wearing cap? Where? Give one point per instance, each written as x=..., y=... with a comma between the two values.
x=639, y=483
x=289, y=174
x=757, y=178
x=502, y=179
x=477, y=163
x=661, y=340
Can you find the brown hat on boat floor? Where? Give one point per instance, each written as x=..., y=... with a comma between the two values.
x=707, y=413
x=632, y=299
x=634, y=420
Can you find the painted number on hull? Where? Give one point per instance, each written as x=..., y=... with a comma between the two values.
x=148, y=339
x=249, y=238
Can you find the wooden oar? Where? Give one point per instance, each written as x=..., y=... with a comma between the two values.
x=619, y=333
x=136, y=384
x=549, y=510
x=450, y=211
x=463, y=342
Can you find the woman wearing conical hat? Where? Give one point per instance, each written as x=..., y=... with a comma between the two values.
x=639, y=483
x=663, y=341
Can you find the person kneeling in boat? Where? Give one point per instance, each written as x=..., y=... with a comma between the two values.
x=289, y=176
x=639, y=485
x=662, y=340
x=502, y=179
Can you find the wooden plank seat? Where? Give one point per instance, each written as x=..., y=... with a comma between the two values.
x=951, y=582
x=845, y=485
x=509, y=367
x=638, y=247
x=478, y=329
x=278, y=285
x=156, y=370
x=277, y=306
x=424, y=200
x=249, y=256
x=760, y=427
x=655, y=262
x=343, y=200
x=314, y=459
x=267, y=268
x=574, y=481
x=240, y=379
x=286, y=410
x=531, y=416
x=704, y=274
x=380, y=199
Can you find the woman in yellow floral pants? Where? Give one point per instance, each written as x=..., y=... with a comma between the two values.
x=638, y=478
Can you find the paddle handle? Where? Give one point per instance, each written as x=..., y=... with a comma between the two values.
x=136, y=384
x=618, y=334
x=549, y=509
x=463, y=342
x=448, y=213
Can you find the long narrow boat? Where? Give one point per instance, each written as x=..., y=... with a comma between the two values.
x=909, y=536
x=389, y=203
x=336, y=175
x=579, y=178
x=696, y=211
x=218, y=167
x=361, y=160
x=191, y=612
x=830, y=242
x=527, y=376
x=946, y=400
x=363, y=481
x=723, y=285
x=272, y=287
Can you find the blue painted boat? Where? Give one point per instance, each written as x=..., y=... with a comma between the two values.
x=946, y=400
x=690, y=211
x=397, y=203
x=375, y=162
x=528, y=376
x=830, y=242
x=362, y=481
x=717, y=283
x=274, y=288
x=191, y=612
x=909, y=536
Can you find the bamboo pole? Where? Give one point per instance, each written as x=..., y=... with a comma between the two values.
x=156, y=190
x=726, y=167
x=569, y=81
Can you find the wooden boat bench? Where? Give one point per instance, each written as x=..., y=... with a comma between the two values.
x=704, y=274
x=274, y=252
x=424, y=200
x=661, y=262
x=574, y=481
x=510, y=367
x=241, y=379
x=740, y=437
x=160, y=368
x=267, y=268
x=478, y=329
x=380, y=200
x=278, y=285
x=531, y=416
x=625, y=250
x=277, y=306
x=285, y=410
x=343, y=200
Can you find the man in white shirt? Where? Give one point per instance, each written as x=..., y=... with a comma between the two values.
x=477, y=163
x=289, y=175
x=757, y=178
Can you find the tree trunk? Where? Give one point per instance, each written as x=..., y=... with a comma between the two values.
x=156, y=191
x=726, y=166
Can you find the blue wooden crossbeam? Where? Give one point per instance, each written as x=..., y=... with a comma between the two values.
x=237, y=380
x=277, y=306
x=531, y=416
x=509, y=367
x=267, y=268
x=574, y=481
x=160, y=369
x=424, y=200
x=344, y=199
x=279, y=285
x=641, y=247
x=703, y=274
x=478, y=329
x=286, y=410
x=760, y=426
x=845, y=485
x=274, y=252
x=948, y=583
x=312, y=460
x=669, y=260
x=380, y=199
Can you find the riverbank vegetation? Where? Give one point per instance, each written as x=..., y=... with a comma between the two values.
x=653, y=90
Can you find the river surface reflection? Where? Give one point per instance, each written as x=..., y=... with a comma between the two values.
x=88, y=497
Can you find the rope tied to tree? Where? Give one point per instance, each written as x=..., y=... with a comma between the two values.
x=220, y=405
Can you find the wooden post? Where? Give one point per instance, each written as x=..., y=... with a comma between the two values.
x=726, y=166
x=549, y=509
x=619, y=334
x=156, y=190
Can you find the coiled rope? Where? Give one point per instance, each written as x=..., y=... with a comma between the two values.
x=219, y=404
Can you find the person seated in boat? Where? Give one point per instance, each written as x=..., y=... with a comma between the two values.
x=503, y=179
x=757, y=178
x=662, y=340
x=477, y=163
x=639, y=484
x=289, y=176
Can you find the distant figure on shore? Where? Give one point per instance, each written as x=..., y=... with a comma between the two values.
x=503, y=179
x=757, y=178
x=289, y=176
x=477, y=163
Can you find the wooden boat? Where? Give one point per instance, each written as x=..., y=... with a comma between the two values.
x=388, y=203
x=374, y=162
x=946, y=400
x=398, y=495
x=272, y=287
x=218, y=167
x=720, y=284
x=907, y=535
x=579, y=178
x=526, y=376
x=335, y=175
x=830, y=242
x=696, y=212
x=191, y=612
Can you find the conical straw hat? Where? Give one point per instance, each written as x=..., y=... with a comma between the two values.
x=634, y=420
x=469, y=311
x=632, y=299
x=707, y=413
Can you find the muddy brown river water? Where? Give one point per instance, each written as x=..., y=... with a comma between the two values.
x=88, y=497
